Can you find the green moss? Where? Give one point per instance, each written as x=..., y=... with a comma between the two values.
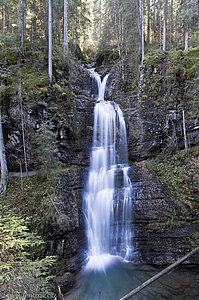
x=154, y=58
x=57, y=87
x=35, y=80
x=179, y=174
x=171, y=82
x=193, y=52
x=34, y=200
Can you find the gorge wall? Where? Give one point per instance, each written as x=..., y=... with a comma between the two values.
x=166, y=227
x=152, y=106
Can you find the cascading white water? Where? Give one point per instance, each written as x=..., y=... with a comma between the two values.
x=107, y=196
x=100, y=84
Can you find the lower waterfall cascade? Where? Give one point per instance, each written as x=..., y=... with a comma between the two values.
x=108, y=207
x=108, y=192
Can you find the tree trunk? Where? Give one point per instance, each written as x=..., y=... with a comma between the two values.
x=160, y=28
x=165, y=25
x=19, y=17
x=142, y=27
x=160, y=274
x=100, y=24
x=31, y=33
x=171, y=24
x=116, y=29
x=23, y=131
x=4, y=16
x=9, y=27
x=154, y=27
x=138, y=17
x=186, y=26
x=76, y=26
x=65, y=27
x=4, y=169
x=58, y=29
x=148, y=21
x=50, y=40
x=186, y=37
x=176, y=31
x=121, y=43
x=21, y=175
x=23, y=20
x=184, y=130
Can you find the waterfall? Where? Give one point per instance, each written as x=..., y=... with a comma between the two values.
x=108, y=196
x=100, y=85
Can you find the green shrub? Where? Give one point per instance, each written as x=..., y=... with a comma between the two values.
x=20, y=275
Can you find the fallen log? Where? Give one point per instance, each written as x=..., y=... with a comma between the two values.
x=160, y=274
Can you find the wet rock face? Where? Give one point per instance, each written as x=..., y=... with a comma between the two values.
x=70, y=116
x=153, y=111
x=158, y=238
x=65, y=233
x=75, y=143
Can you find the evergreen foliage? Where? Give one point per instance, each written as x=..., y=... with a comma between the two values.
x=21, y=275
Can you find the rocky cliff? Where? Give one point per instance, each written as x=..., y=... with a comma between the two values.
x=166, y=227
x=152, y=106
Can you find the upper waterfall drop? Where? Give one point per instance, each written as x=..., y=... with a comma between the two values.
x=100, y=84
x=108, y=193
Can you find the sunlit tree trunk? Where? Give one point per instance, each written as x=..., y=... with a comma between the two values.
x=159, y=21
x=186, y=26
x=142, y=27
x=186, y=37
x=160, y=32
x=24, y=18
x=165, y=25
x=121, y=31
x=50, y=40
x=138, y=17
x=184, y=130
x=176, y=31
x=3, y=162
x=100, y=24
x=171, y=23
x=148, y=21
x=65, y=27
x=154, y=26
x=121, y=43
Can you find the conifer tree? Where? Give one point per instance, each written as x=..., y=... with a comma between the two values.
x=65, y=26
x=165, y=25
x=50, y=40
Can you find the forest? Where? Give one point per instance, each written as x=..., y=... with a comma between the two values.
x=46, y=49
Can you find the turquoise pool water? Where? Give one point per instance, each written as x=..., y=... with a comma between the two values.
x=120, y=278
